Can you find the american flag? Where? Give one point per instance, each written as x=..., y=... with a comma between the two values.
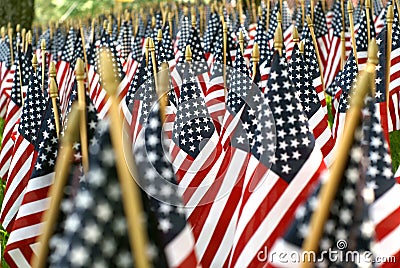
x=5, y=77
x=295, y=167
x=96, y=231
x=24, y=153
x=390, y=117
x=385, y=209
x=156, y=177
x=194, y=150
x=260, y=33
x=182, y=41
x=216, y=220
x=300, y=74
x=332, y=65
x=28, y=224
x=140, y=98
x=341, y=103
x=97, y=94
x=131, y=66
x=362, y=40
x=65, y=71
x=124, y=39
x=11, y=120
x=321, y=33
x=310, y=57
x=346, y=214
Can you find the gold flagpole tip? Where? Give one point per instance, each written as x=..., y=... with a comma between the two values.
x=309, y=21
x=127, y=15
x=109, y=28
x=53, y=88
x=222, y=18
x=79, y=69
x=29, y=37
x=390, y=14
x=105, y=23
x=259, y=11
x=373, y=52
x=9, y=25
x=295, y=35
x=170, y=16
x=3, y=31
x=153, y=22
x=107, y=73
x=34, y=61
x=18, y=28
x=241, y=37
x=43, y=44
x=350, y=7
x=367, y=3
x=278, y=40
x=52, y=71
x=255, y=54
x=193, y=20
x=279, y=17
x=10, y=31
x=188, y=54
x=151, y=44
x=146, y=43
x=301, y=47
x=159, y=35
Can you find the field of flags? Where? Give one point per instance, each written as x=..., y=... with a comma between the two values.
x=212, y=135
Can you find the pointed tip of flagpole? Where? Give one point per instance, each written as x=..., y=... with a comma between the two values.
x=390, y=14
x=259, y=11
x=278, y=40
x=225, y=27
x=79, y=69
x=241, y=41
x=105, y=23
x=193, y=20
x=350, y=7
x=3, y=32
x=151, y=44
x=34, y=61
x=18, y=28
x=107, y=73
x=53, y=88
x=188, y=54
x=170, y=17
x=29, y=37
x=255, y=55
x=52, y=71
x=43, y=44
x=295, y=35
x=159, y=35
x=367, y=4
x=153, y=22
x=279, y=17
x=109, y=28
x=373, y=52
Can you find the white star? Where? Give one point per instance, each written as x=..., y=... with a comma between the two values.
x=79, y=256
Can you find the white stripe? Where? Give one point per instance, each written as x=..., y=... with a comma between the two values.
x=386, y=204
x=40, y=182
x=389, y=245
x=282, y=247
x=25, y=233
x=33, y=207
x=180, y=247
x=17, y=256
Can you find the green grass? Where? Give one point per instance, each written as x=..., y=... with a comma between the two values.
x=395, y=148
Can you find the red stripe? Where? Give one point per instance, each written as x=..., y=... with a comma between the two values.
x=387, y=225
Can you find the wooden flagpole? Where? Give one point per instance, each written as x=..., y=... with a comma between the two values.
x=56, y=191
x=343, y=50
x=10, y=37
x=241, y=42
x=43, y=48
x=131, y=195
x=147, y=47
x=54, y=96
x=268, y=12
x=303, y=12
x=367, y=11
x=20, y=73
x=84, y=47
x=311, y=26
x=225, y=32
x=389, y=20
x=80, y=77
x=350, y=10
x=34, y=62
x=153, y=61
x=364, y=86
